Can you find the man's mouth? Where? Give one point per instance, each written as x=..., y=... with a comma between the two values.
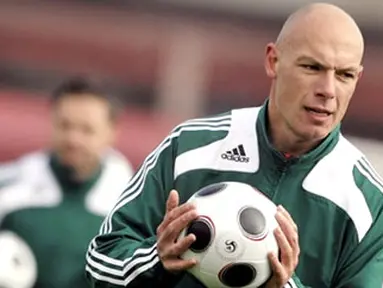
x=318, y=111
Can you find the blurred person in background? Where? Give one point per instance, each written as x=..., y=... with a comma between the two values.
x=52, y=202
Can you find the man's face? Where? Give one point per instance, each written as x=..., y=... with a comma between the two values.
x=314, y=81
x=82, y=130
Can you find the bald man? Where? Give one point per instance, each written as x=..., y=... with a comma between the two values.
x=291, y=149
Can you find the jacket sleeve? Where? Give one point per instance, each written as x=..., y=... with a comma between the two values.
x=361, y=264
x=363, y=268
x=124, y=253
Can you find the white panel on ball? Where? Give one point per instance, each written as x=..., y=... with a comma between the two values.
x=234, y=232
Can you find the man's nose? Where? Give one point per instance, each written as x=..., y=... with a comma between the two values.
x=326, y=85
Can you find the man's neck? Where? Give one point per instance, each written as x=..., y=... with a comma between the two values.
x=290, y=144
x=284, y=139
x=82, y=174
x=75, y=174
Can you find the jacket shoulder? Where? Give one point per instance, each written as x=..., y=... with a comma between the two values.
x=347, y=179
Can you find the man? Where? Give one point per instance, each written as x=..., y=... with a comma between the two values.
x=54, y=201
x=296, y=156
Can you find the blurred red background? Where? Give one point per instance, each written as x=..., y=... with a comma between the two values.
x=169, y=66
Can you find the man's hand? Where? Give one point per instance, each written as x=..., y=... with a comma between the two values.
x=287, y=239
x=175, y=220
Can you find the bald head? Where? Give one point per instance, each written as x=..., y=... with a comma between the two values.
x=321, y=22
x=315, y=66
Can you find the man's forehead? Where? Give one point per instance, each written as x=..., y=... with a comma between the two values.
x=321, y=22
x=334, y=42
x=329, y=51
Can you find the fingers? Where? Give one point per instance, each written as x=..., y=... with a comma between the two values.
x=177, y=214
x=169, y=254
x=173, y=201
x=171, y=260
x=289, y=229
x=287, y=255
x=280, y=276
x=173, y=229
x=173, y=210
x=288, y=216
x=180, y=247
x=177, y=264
x=168, y=247
x=286, y=236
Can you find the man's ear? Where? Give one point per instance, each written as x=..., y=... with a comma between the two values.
x=271, y=60
x=360, y=73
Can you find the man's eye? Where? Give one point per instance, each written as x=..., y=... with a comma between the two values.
x=311, y=67
x=349, y=75
x=346, y=75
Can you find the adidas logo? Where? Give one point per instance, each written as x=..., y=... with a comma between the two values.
x=237, y=154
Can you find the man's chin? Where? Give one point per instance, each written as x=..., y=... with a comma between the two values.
x=72, y=163
x=312, y=134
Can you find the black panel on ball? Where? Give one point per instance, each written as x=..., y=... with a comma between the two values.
x=252, y=221
x=203, y=233
x=238, y=275
x=211, y=189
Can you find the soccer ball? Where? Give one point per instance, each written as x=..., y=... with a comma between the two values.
x=18, y=267
x=234, y=234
